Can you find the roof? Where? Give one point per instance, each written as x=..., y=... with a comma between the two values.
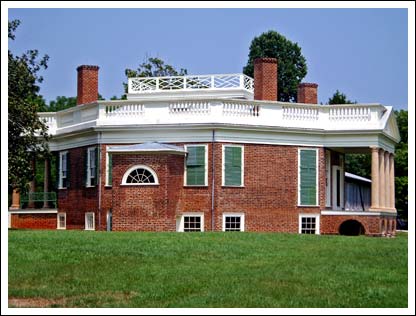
x=354, y=176
x=150, y=147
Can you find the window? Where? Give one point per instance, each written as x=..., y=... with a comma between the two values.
x=140, y=175
x=190, y=222
x=63, y=170
x=61, y=221
x=196, y=171
x=233, y=222
x=308, y=180
x=233, y=165
x=309, y=224
x=89, y=221
x=109, y=170
x=92, y=169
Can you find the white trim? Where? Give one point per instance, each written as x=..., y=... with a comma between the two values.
x=126, y=174
x=89, y=150
x=61, y=154
x=86, y=221
x=107, y=170
x=358, y=213
x=58, y=221
x=34, y=211
x=317, y=222
x=180, y=220
x=316, y=175
x=206, y=166
x=242, y=220
x=223, y=166
x=341, y=187
x=328, y=178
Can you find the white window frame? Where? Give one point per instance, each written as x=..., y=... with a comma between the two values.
x=328, y=179
x=180, y=220
x=61, y=154
x=223, y=166
x=242, y=220
x=317, y=222
x=206, y=166
x=127, y=173
x=89, y=176
x=58, y=221
x=107, y=170
x=317, y=176
x=93, y=221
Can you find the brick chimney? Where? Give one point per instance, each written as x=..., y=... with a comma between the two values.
x=265, y=79
x=308, y=93
x=87, y=84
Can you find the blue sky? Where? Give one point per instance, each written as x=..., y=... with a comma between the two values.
x=361, y=52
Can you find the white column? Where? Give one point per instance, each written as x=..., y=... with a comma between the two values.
x=374, y=178
x=392, y=185
x=387, y=178
x=382, y=186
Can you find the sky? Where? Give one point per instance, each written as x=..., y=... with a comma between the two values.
x=361, y=52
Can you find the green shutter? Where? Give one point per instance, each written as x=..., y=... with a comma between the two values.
x=85, y=177
x=97, y=165
x=110, y=169
x=195, y=165
x=232, y=165
x=308, y=177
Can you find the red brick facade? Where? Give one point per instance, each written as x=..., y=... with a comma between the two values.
x=87, y=84
x=34, y=221
x=265, y=78
x=308, y=93
x=268, y=199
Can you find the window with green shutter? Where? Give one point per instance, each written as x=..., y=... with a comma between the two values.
x=308, y=174
x=233, y=165
x=195, y=165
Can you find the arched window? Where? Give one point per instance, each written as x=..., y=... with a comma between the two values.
x=140, y=175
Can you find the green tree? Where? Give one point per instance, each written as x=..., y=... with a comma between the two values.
x=152, y=67
x=27, y=134
x=61, y=103
x=340, y=98
x=291, y=64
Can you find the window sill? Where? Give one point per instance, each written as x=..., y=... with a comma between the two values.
x=233, y=186
x=61, y=228
x=308, y=206
x=196, y=186
x=108, y=186
x=62, y=188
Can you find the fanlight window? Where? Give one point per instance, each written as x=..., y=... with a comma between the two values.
x=140, y=175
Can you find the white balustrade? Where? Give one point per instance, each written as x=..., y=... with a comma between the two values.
x=190, y=107
x=350, y=113
x=194, y=82
x=124, y=110
x=300, y=113
x=240, y=109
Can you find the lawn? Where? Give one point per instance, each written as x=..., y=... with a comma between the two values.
x=101, y=269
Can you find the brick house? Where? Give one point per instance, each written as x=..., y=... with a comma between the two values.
x=213, y=153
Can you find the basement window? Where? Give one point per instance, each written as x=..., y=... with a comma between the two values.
x=309, y=224
x=233, y=222
x=89, y=221
x=191, y=222
x=61, y=221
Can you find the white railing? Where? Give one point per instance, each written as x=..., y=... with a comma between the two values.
x=259, y=113
x=300, y=113
x=189, y=107
x=189, y=83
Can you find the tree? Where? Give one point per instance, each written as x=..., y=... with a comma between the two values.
x=291, y=64
x=340, y=98
x=27, y=134
x=152, y=67
x=61, y=103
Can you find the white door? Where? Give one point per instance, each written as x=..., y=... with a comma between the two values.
x=337, y=188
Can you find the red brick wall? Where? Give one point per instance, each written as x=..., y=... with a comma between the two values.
x=373, y=225
x=265, y=79
x=87, y=84
x=308, y=93
x=34, y=221
x=77, y=199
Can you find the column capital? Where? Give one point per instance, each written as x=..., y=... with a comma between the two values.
x=374, y=148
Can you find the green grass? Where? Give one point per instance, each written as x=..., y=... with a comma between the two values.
x=100, y=269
